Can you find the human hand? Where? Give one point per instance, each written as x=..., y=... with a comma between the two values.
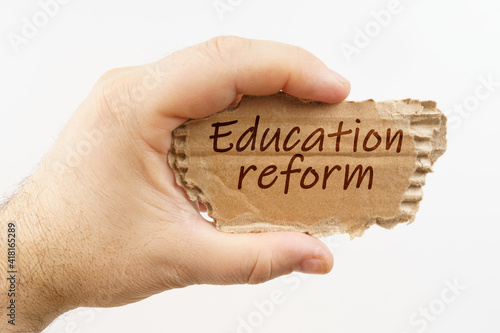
x=101, y=221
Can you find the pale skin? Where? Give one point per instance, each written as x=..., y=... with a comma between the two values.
x=108, y=226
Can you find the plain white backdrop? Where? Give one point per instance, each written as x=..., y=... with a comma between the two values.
x=439, y=274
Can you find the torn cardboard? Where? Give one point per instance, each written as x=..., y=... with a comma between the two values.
x=278, y=163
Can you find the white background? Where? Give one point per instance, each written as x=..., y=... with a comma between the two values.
x=428, y=49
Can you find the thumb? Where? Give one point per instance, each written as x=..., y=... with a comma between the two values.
x=223, y=258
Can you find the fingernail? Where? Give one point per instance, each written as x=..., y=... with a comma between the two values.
x=312, y=266
x=236, y=101
x=339, y=77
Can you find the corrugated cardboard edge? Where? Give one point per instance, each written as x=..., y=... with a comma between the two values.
x=428, y=130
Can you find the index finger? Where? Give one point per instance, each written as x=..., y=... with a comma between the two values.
x=207, y=77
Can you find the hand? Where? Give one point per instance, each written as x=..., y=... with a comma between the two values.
x=101, y=221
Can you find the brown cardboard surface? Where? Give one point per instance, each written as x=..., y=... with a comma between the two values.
x=279, y=163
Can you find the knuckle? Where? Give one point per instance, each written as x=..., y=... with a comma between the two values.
x=113, y=73
x=115, y=89
x=111, y=96
x=115, y=98
x=226, y=46
x=261, y=270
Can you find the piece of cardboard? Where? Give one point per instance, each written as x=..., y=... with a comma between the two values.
x=278, y=163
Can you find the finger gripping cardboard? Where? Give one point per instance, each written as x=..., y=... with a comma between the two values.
x=279, y=163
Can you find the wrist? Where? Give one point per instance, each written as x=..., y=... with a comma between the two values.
x=28, y=259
